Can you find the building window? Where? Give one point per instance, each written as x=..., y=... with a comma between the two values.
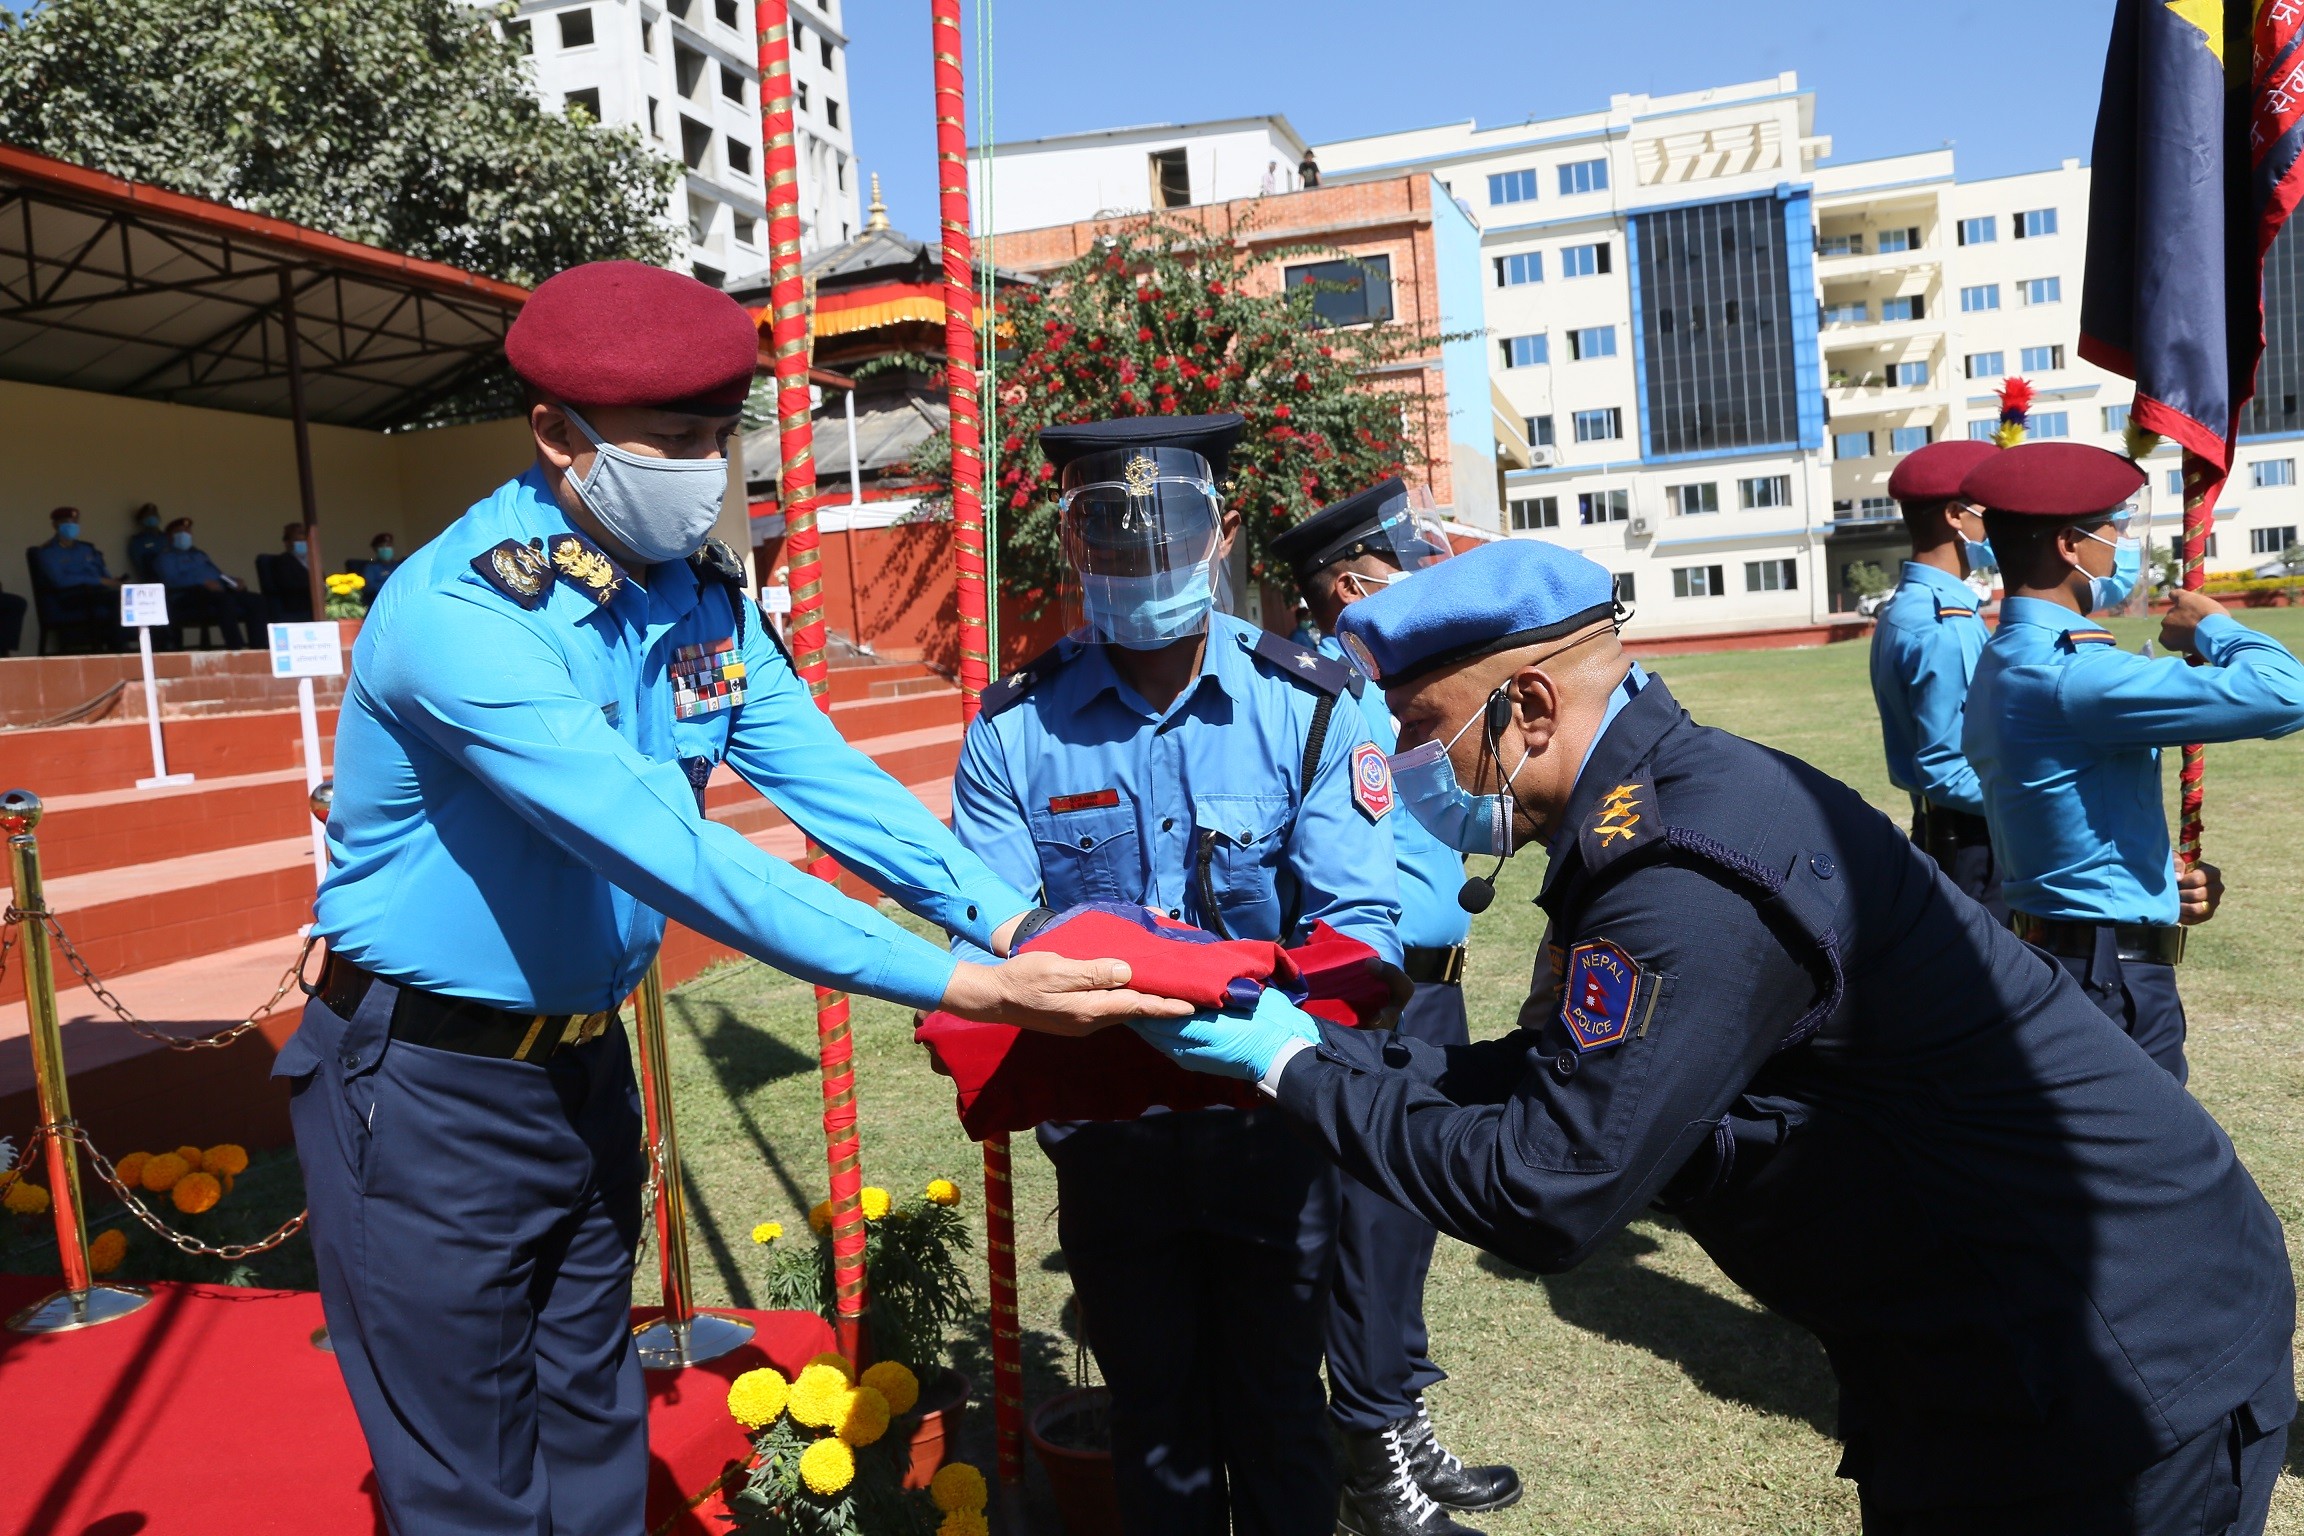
x=2041, y=290
x=688, y=72
x=1627, y=589
x=576, y=27
x=1851, y=445
x=1171, y=179
x=2043, y=359
x=747, y=230
x=1693, y=500
x=731, y=84
x=1910, y=439
x=695, y=143
x=1698, y=581
x=726, y=11
x=1351, y=292
x=1765, y=491
x=1513, y=271
x=1594, y=507
x=1512, y=187
x=1906, y=239
x=1876, y=506
x=2175, y=482
x=1526, y=351
x=1771, y=575
x=1981, y=431
x=1584, y=260
x=1583, y=176
x=1592, y=341
x=1708, y=386
x=1856, y=312
x=1981, y=231
x=1530, y=513
x=2266, y=472
x=824, y=51
x=1908, y=375
x=840, y=172
x=1599, y=426
x=2270, y=541
x=1986, y=365
x=2049, y=424
x=586, y=101
x=2035, y=223
x=654, y=132
x=1840, y=245
x=2115, y=418
x=1981, y=296
x=520, y=36
x=739, y=156
x=1911, y=307
x=1540, y=431
x=679, y=8
x=800, y=94
x=832, y=114
x=647, y=35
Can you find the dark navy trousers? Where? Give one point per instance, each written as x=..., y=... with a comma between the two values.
x=1199, y=1245
x=474, y=1222
x=2138, y=996
x=1379, y=1357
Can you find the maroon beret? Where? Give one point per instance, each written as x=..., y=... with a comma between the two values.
x=2068, y=480
x=625, y=333
x=1934, y=473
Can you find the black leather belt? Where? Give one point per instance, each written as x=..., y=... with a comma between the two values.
x=2143, y=943
x=1445, y=966
x=457, y=1024
x=1960, y=827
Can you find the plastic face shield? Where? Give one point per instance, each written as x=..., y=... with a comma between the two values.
x=1141, y=530
x=1408, y=531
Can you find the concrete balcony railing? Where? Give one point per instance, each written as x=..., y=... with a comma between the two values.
x=1839, y=269
x=1841, y=335
x=1858, y=399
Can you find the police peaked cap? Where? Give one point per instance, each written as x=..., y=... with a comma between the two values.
x=2053, y=479
x=1496, y=597
x=1934, y=472
x=1084, y=445
x=623, y=333
x=1338, y=532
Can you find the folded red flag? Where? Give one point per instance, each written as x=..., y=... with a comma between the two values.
x=1011, y=1079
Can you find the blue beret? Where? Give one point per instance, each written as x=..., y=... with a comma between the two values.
x=1497, y=597
x=1211, y=437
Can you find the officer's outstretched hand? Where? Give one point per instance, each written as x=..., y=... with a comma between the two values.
x=2180, y=630
x=1054, y=995
x=2199, y=889
x=1238, y=1045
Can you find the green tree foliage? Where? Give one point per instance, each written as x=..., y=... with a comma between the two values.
x=407, y=124
x=1164, y=320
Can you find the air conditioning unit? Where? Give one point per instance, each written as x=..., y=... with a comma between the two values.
x=1643, y=527
x=1540, y=458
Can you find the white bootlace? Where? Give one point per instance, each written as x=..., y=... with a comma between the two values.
x=1426, y=1433
x=1403, y=1482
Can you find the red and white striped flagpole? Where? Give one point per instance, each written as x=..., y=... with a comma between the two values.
x=796, y=490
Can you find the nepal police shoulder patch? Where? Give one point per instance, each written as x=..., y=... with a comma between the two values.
x=1600, y=995
x=1371, y=781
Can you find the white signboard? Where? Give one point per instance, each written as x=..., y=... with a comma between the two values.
x=143, y=605
x=776, y=599
x=307, y=650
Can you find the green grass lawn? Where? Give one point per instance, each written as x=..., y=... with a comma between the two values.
x=1643, y=1393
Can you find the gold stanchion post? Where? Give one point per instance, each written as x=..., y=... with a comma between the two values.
x=683, y=1336
x=82, y=1303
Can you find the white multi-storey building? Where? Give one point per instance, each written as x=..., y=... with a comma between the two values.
x=1119, y=171
x=685, y=74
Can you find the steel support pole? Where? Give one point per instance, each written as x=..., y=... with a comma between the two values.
x=293, y=348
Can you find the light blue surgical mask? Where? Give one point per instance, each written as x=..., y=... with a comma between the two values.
x=1144, y=613
x=1977, y=553
x=298, y=548
x=1466, y=822
x=67, y=531
x=659, y=509
x=2127, y=566
x=180, y=541
x=384, y=552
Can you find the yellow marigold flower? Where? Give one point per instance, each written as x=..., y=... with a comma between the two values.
x=25, y=1198
x=226, y=1157
x=197, y=1192
x=893, y=1381
x=943, y=1192
x=958, y=1486
x=819, y=1397
x=345, y=583
x=756, y=1397
x=875, y=1202
x=162, y=1172
x=838, y=1362
x=107, y=1250
x=767, y=1231
x=131, y=1168
x=866, y=1419
x=192, y=1158
x=965, y=1522
x=820, y=1217
x=827, y=1467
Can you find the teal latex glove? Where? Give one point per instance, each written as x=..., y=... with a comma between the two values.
x=1229, y=1044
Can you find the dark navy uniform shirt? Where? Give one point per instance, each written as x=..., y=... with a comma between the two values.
x=2034, y=1260
x=81, y=564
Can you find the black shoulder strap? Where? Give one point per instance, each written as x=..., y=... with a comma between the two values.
x=1316, y=739
x=1308, y=667
x=1020, y=682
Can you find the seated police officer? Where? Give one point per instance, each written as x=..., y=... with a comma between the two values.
x=2065, y=730
x=377, y=569
x=200, y=593
x=2052, y=1296
x=1172, y=755
x=1396, y=1470
x=145, y=544
x=284, y=580
x=1924, y=651
x=535, y=706
x=80, y=589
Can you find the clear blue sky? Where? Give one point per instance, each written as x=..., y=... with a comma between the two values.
x=2012, y=84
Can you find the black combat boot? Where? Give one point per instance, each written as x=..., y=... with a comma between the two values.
x=1447, y=1480
x=1381, y=1497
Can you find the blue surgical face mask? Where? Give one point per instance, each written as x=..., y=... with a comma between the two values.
x=384, y=552
x=659, y=509
x=67, y=530
x=2127, y=565
x=1466, y=822
x=1144, y=613
x=298, y=548
x=180, y=540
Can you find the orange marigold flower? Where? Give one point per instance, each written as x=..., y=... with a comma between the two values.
x=131, y=1168
x=838, y=1362
x=191, y=1156
x=958, y=1486
x=820, y=1216
x=162, y=1172
x=225, y=1157
x=197, y=1192
x=107, y=1250
x=24, y=1198
x=866, y=1419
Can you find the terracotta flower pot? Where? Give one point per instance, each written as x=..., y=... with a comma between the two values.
x=934, y=1435
x=1071, y=1436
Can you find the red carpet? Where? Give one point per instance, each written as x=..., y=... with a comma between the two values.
x=209, y=1413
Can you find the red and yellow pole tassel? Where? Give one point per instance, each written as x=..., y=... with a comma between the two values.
x=796, y=489
x=973, y=601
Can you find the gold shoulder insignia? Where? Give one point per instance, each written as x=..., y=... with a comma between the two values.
x=518, y=571
x=1623, y=819
x=587, y=565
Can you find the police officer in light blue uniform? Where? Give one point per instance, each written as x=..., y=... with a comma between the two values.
x=1379, y=1351
x=535, y=705
x=2052, y=1297
x=2066, y=729
x=1171, y=755
x=1924, y=650
x=200, y=593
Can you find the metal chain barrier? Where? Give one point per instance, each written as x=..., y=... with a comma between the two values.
x=103, y=994
x=182, y=1241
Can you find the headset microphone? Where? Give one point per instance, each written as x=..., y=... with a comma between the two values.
x=1478, y=892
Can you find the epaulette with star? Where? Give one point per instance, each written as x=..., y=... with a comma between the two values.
x=1624, y=819
x=520, y=571
x=1308, y=667
x=1023, y=680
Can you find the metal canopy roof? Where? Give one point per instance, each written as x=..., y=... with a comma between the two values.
x=123, y=288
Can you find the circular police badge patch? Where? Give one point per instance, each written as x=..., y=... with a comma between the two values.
x=1371, y=781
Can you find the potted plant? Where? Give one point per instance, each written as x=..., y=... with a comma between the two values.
x=920, y=1293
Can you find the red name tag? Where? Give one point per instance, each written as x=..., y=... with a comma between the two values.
x=1095, y=801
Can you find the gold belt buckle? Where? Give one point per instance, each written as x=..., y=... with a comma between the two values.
x=590, y=1029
